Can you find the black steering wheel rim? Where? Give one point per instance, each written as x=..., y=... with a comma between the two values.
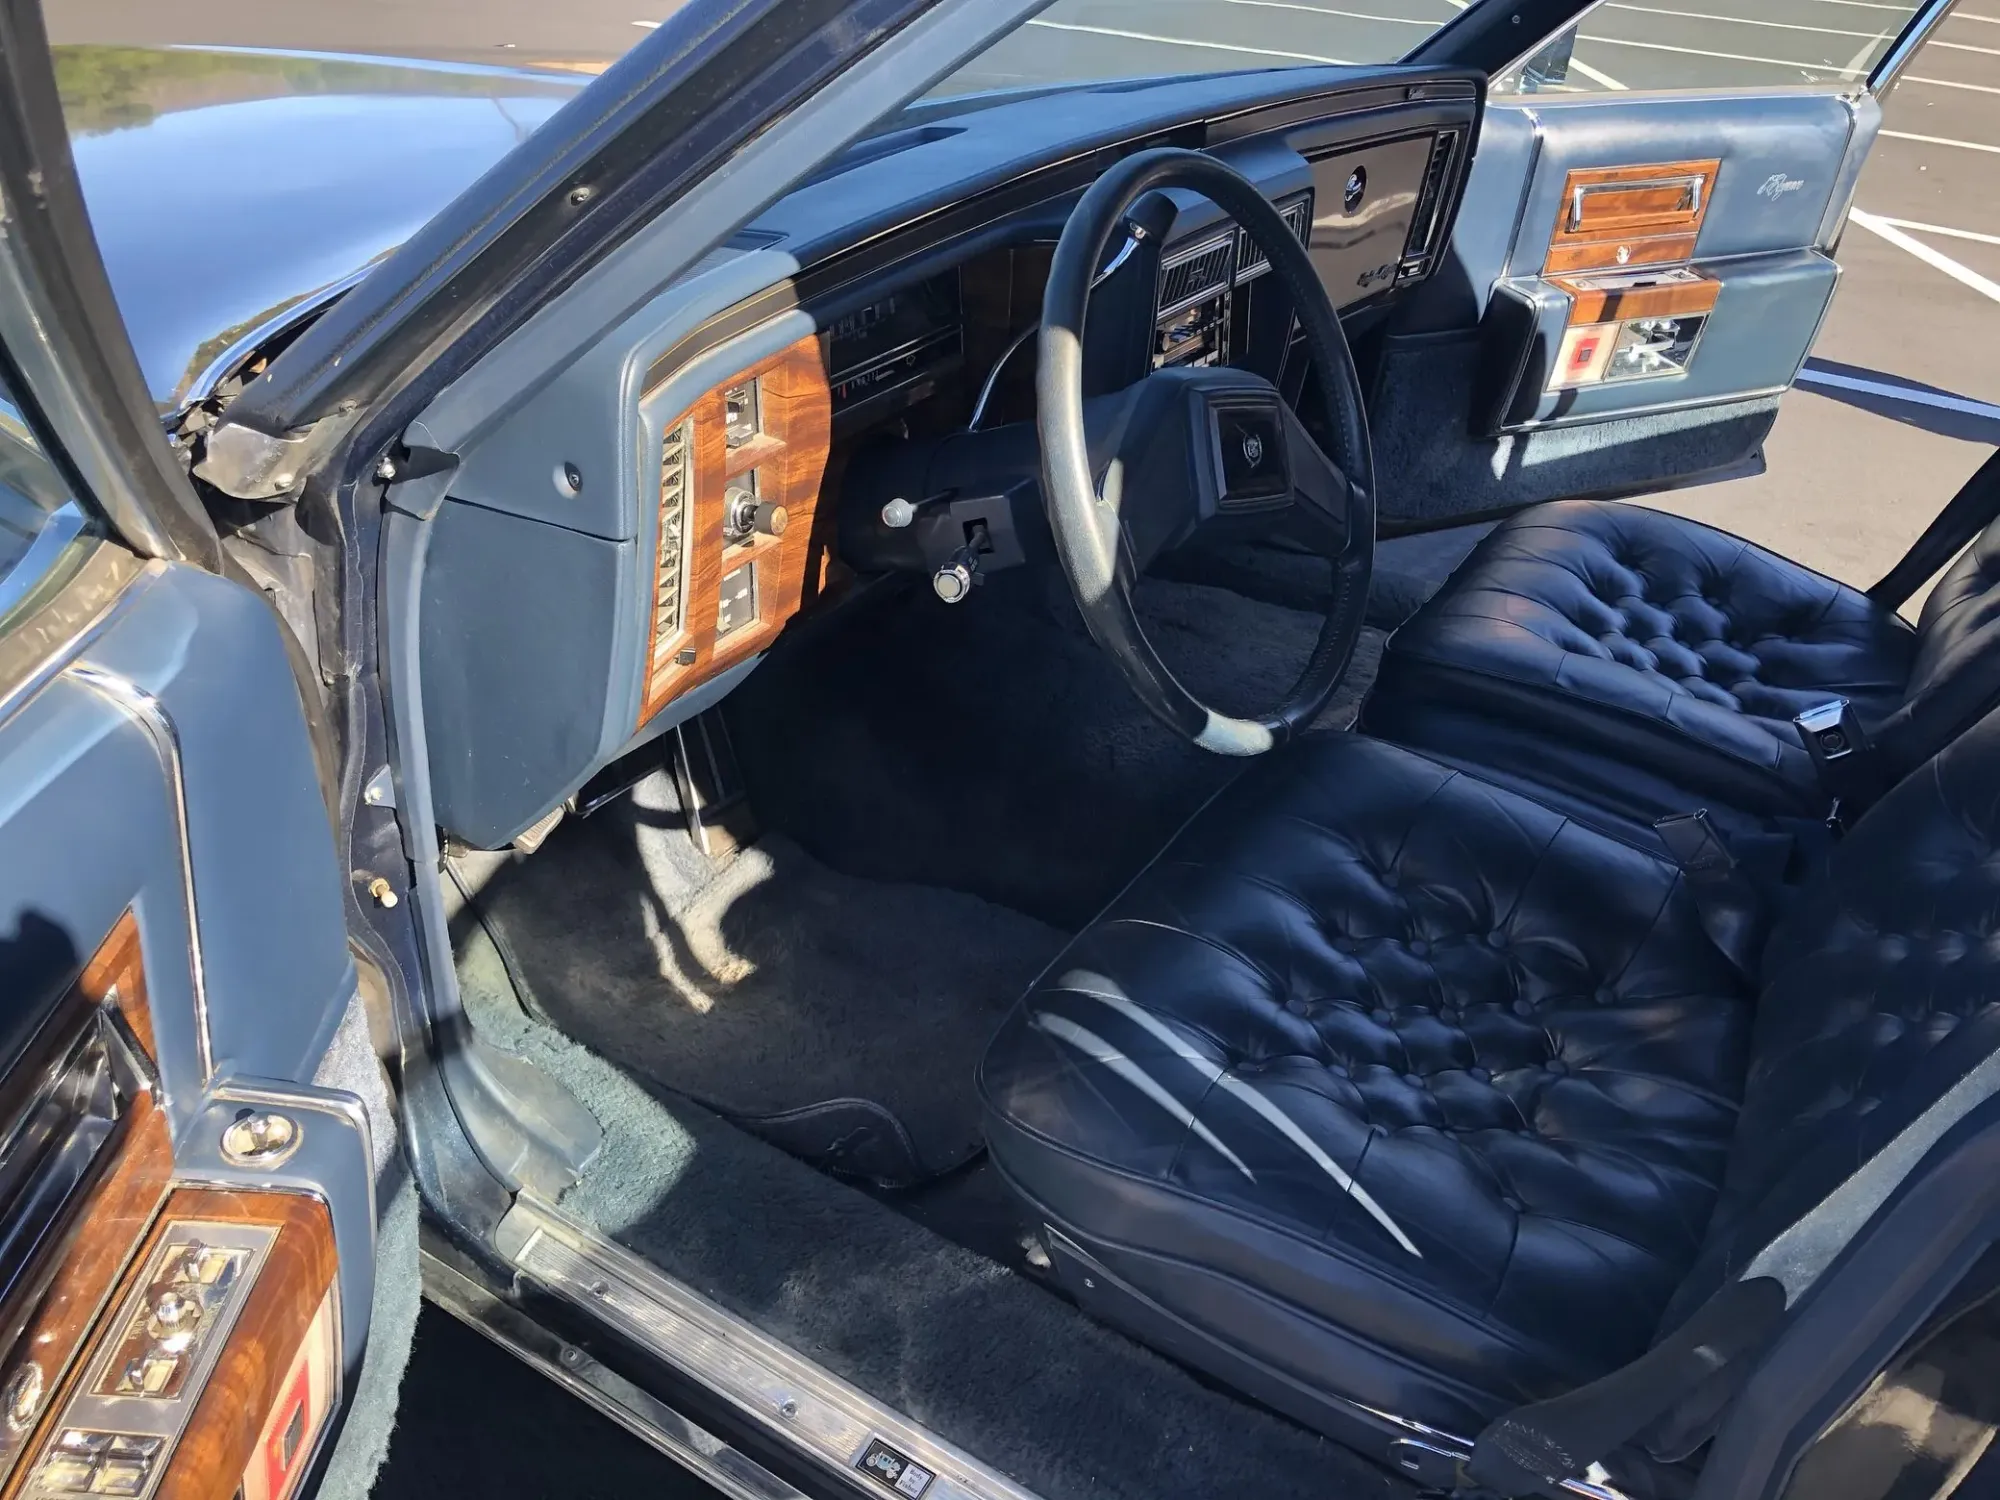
x=1087, y=537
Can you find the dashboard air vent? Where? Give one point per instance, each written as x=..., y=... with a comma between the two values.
x=1424, y=223
x=669, y=586
x=1250, y=261
x=1202, y=270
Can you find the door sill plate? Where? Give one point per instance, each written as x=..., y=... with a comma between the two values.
x=638, y=1412
x=873, y=1447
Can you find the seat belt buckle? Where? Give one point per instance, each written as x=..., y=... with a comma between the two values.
x=1699, y=850
x=1850, y=771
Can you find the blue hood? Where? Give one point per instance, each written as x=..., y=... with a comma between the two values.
x=234, y=191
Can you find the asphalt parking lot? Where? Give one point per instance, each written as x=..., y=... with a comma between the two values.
x=1853, y=473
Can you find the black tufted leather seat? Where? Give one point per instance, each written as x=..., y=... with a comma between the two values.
x=1507, y=1032
x=1385, y=1085
x=1648, y=664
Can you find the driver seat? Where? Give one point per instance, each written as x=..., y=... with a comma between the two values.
x=1386, y=1087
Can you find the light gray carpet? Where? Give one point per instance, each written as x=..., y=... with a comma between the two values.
x=1065, y=1406
x=841, y=1018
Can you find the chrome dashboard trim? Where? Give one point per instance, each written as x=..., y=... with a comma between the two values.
x=828, y=1421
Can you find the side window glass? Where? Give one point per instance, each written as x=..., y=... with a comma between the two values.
x=39, y=518
x=1699, y=44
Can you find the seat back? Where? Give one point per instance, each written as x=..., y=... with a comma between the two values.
x=1881, y=989
x=1955, y=678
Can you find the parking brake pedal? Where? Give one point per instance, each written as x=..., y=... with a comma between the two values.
x=713, y=792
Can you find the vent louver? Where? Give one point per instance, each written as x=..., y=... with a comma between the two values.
x=1252, y=262
x=670, y=585
x=1201, y=271
x=1429, y=215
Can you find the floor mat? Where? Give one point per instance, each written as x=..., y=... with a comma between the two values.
x=994, y=748
x=837, y=1017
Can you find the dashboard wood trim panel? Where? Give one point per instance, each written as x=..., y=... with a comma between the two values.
x=789, y=457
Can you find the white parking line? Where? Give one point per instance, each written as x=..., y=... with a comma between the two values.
x=1941, y=140
x=1595, y=75
x=1963, y=47
x=1321, y=10
x=1948, y=83
x=1181, y=41
x=1696, y=15
x=1809, y=377
x=1769, y=62
x=1959, y=15
x=1943, y=229
x=647, y=25
x=1865, y=54
x=1930, y=256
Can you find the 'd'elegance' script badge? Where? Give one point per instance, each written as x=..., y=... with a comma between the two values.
x=1778, y=184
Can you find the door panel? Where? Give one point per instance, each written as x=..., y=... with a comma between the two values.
x=1633, y=283
x=173, y=964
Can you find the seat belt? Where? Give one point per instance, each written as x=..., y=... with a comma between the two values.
x=1534, y=1448
x=1965, y=515
x=1732, y=910
x=1849, y=768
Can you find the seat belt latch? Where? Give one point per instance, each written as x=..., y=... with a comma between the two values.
x=1850, y=771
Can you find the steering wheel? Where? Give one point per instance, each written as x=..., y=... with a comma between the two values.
x=1128, y=476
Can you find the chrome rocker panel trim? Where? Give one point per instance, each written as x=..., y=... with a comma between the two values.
x=826, y=1419
x=644, y=1416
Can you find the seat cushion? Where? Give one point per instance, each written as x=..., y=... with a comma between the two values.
x=1395, y=1084
x=1640, y=661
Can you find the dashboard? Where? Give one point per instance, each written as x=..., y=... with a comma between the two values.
x=884, y=303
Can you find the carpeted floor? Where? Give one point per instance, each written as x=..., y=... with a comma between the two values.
x=841, y=1018
x=966, y=1346
x=993, y=748
x=1408, y=570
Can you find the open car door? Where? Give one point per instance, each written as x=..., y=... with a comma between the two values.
x=197, y=1128
x=1642, y=259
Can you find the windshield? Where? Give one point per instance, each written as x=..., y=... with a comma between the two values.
x=1096, y=41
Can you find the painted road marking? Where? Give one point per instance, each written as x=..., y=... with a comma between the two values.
x=1929, y=255
x=1941, y=140
x=1944, y=229
x=1181, y=41
x=1352, y=15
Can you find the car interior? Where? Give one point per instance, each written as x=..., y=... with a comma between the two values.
x=1081, y=750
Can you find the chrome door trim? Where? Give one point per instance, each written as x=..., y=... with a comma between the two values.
x=828, y=1420
x=1923, y=21
x=643, y=1415
x=145, y=710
